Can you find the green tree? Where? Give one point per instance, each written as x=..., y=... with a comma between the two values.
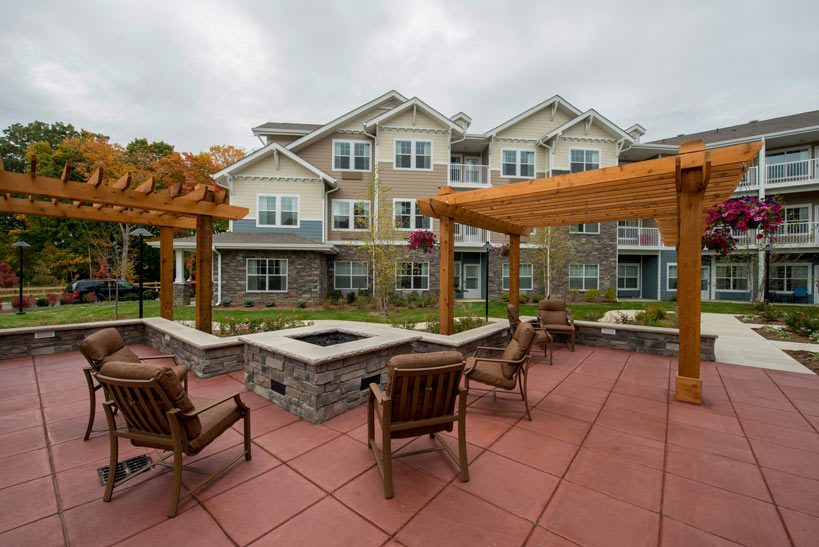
x=18, y=138
x=551, y=250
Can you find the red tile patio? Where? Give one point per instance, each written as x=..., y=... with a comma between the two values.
x=610, y=459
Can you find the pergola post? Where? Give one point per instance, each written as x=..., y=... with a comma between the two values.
x=446, y=300
x=691, y=185
x=204, y=273
x=166, y=273
x=514, y=269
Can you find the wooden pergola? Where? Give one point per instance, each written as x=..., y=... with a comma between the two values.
x=675, y=191
x=129, y=203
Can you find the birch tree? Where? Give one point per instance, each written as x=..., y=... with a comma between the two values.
x=551, y=252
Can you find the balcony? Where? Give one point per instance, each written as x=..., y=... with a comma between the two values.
x=781, y=174
x=468, y=175
x=790, y=234
x=638, y=237
x=469, y=235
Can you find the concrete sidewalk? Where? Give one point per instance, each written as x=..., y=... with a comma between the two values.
x=738, y=344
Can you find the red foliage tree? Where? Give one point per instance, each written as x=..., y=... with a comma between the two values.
x=7, y=277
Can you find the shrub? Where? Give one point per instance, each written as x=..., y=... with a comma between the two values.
x=363, y=292
x=341, y=303
x=270, y=303
x=802, y=323
x=7, y=277
x=248, y=303
x=302, y=304
x=89, y=298
x=535, y=298
x=27, y=302
x=433, y=324
x=610, y=295
x=42, y=302
x=333, y=294
x=131, y=297
x=350, y=297
x=226, y=302
x=523, y=299
x=52, y=299
x=397, y=322
x=673, y=297
x=574, y=294
x=397, y=300
x=467, y=323
x=505, y=297
x=771, y=314
x=592, y=295
x=67, y=298
x=654, y=315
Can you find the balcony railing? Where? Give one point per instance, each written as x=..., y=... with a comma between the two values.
x=790, y=234
x=792, y=171
x=750, y=179
x=468, y=174
x=469, y=235
x=635, y=236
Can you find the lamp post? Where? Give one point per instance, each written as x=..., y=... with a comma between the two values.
x=488, y=247
x=20, y=245
x=767, y=248
x=141, y=232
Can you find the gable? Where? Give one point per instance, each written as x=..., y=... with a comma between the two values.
x=597, y=130
x=422, y=120
x=266, y=167
x=538, y=124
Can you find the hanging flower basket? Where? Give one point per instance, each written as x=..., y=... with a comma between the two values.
x=423, y=239
x=746, y=213
x=719, y=241
x=503, y=250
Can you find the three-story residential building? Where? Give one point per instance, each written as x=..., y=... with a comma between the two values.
x=306, y=190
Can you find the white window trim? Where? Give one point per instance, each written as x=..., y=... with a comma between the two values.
x=572, y=231
x=278, y=211
x=413, y=155
x=807, y=206
x=286, y=276
x=397, y=275
x=796, y=148
x=415, y=211
x=351, y=262
x=584, y=148
x=517, y=152
x=810, y=272
x=629, y=264
x=717, y=277
x=668, y=276
x=352, y=155
x=352, y=203
x=531, y=276
x=584, y=276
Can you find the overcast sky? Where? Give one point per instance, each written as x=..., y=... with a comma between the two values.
x=200, y=73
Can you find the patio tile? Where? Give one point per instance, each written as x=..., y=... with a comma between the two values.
x=567, y=406
x=677, y=534
x=541, y=537
x=793, y=438
x=64, y=411
x=78, y=452
x=783, y=458
x=799, y=392
x=556, y=425
x=659, y=394
x=24, y=467
x=726, y=473
x=594, y=519
x=583, y=393
x=21, y=441
x=539, y=451
x=708, y=420
x=21, y=404
x=348, y=420
x=654, y=409
x=326, y=523
x=711, y=404
x=295, y=439
x=413, y=489
x=266, y=419
x=770, y=416
x=589, y=380
x=732, y=516
x=517, y=488
x=458, y=518
x=68, y=396
x=481, y=430
x=708, y=440
x=811, y=408
x=27, y=502
x=15, y=392
x=620, y=478
x=334, y=463
x=22, y=420
x=16, y=362
x=633, y=422
x=47, y=532
x=626, y=445
x=68, y=383
x=438, y=464
x=74, y=428
x=241, y=471
x=360, y=434
x=794, y=492
x=192, y=528
x=804, y=529
x=17, y=377
x=253, y=401
x=252, y=509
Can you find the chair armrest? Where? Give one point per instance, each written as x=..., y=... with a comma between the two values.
x=158, y=357
x=213, y=404
x=543, y=330
x=571, y=322
x=378, y=394
x=509, y=361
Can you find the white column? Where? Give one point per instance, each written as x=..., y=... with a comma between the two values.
x=180, y=266
x=761, y=177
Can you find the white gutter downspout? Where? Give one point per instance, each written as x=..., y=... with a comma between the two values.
x=551, y=155
x=218, y=276
x=324, y=222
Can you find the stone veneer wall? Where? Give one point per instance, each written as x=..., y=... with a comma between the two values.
x=203, y=361
x=49, y=340
x=307, y=277
x=654, y=340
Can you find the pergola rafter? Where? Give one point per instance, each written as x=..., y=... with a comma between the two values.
x=118, y=201
x=674, y=190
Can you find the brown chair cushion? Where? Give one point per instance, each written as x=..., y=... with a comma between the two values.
x=487, y=372
x=122, y=355
x=421, y=360
x=168, y=381
x=541, y=338
x=558, y=328
x=100, y=344
x=180, y=371
x=214, y=422
x=518, y=347
x=552, y=304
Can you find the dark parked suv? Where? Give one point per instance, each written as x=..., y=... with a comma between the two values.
x=106, y=289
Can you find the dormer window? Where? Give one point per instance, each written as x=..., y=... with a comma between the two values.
x=351, y=155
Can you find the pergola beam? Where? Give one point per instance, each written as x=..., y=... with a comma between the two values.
x=434, y=207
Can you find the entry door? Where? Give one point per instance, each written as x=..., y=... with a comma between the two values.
x=472, y=280
x=457, y=276
x=705, y=284
x=456, y=168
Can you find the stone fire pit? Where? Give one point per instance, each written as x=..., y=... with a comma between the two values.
x=321, y=371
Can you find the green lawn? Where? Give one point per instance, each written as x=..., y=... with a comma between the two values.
x=86, y=313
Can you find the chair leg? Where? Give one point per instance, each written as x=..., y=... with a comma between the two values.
x=572, y=340
x=464, y=463
x=552, y=353
x=177, y=482
x=248, y=455
x=522, y=383
x=386, y=455
x=92, y=398
x=114, y=454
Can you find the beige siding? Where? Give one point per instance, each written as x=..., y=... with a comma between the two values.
x=267, y=167
x=357, y=123
x=284, y=140
x=422, y=119
x=608, y=152
x=311, y=194
x=387, y=138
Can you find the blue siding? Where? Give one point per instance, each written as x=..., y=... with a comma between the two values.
x=649, y=278
x=311, y=229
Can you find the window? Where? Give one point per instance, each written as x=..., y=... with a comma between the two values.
x=412, y=276
x=350, y=275
x=628, y=276
x=732, y=277
x=671, y=278
x=526, y=283
x=584, y=160
x=351, y=214
x=797, y=220
x=589, y=228
x=277, y=210
x=266, y=275
x=787, y=277
x=583, y=276
x=351, y=156
x=413, y=154
x=409, y=217
x=518, y=163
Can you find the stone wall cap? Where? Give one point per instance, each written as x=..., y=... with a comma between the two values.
x=198, y=339
x=638, y=328
x=465, y=337
x=71, y=326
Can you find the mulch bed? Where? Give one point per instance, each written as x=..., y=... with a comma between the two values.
x=807, y=358
x=759, y=321
x=792, y=337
